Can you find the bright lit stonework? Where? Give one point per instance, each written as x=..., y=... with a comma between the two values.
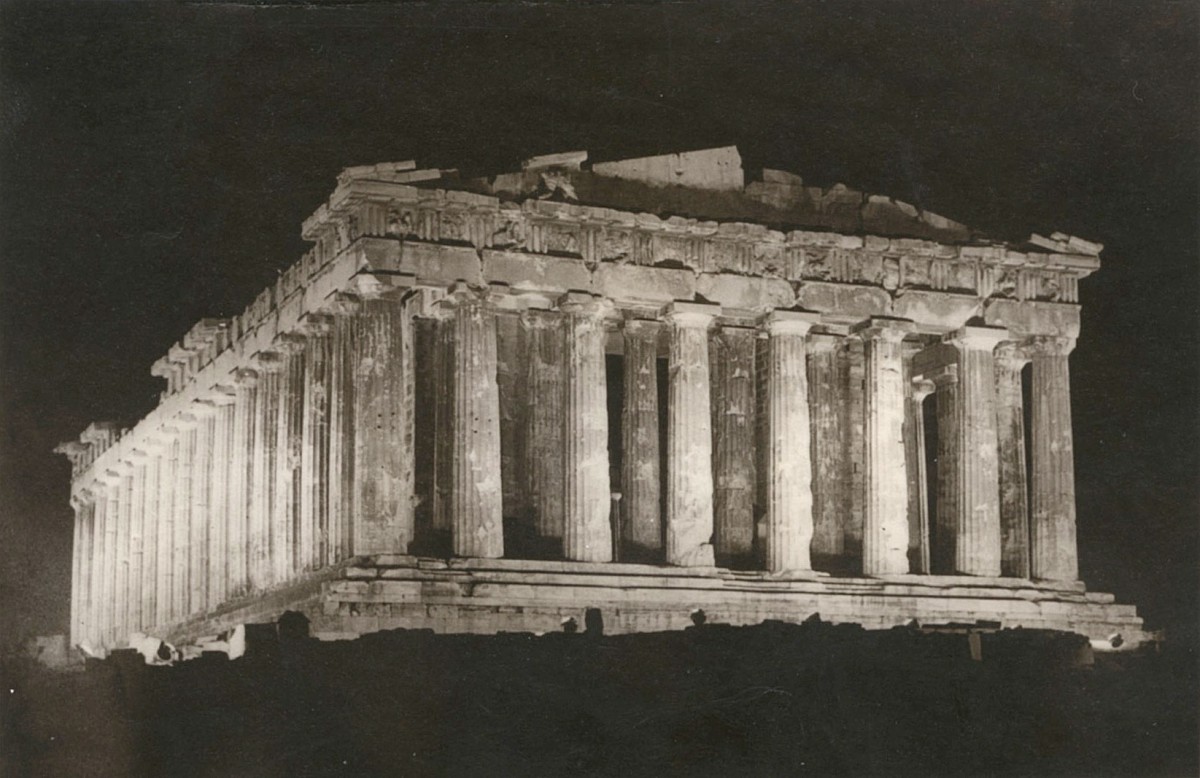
x=646, y=387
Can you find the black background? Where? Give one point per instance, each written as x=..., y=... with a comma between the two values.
x=157, y=161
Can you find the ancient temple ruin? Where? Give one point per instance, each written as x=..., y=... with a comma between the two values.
x=647, y=387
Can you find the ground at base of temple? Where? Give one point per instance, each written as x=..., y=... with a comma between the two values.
x=488, y=596
x=774, y=699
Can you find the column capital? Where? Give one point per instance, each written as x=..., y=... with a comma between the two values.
x=691, y=315
x=975, y=338
x=923, y=387
x=316, y=324
x=1049, y=345
x=343, y=304
x=883, y=328
x=540, y=318
x=377, y=286
x=825, y=342
x=504, y=297
x=267, y=361
x=946, y=375
x=462, y=294
x=583, y=304
x=790, y=322
x=643, y=327
x=1011, y=355
x=289, y=342
x=245, y=377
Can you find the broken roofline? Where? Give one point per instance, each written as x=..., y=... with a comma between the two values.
x=712, y=170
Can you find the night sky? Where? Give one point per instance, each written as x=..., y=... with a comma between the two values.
x=156, y=163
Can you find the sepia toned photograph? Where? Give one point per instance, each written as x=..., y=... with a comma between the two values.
x=660, y=388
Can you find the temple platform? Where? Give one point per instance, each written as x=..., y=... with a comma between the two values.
x=487, y=596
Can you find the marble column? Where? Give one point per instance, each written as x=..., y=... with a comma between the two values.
x=945, y=539
x=137, y=551
x=285, y=513
x=97, y=589
x=108, y=592
x=852, y=375
x=918, y=477
x=263, y=471
x=199, y=513
x=511, y=375
x=79, y=505
x=87, y=593
x=544, y=421
x=830, y=480
x=241, y=491
x=587, y=531
x=315, y=445
x=150, y=533
x=732, y=371
x=342, y=402
x=216, y=576
x=165, y=562
x=977, y=550
x=475, y=507
x=641, y=499
x=689, y=437
x=1052, y=493
x=120, y=625
x=789, y=447
x=383, y=462
x=444, y=378
x=1010, y=359
x=182, y=525
x=885, y=515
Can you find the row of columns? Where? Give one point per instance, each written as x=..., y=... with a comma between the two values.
x=308, y=455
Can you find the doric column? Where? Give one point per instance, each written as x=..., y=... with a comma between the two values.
x=216, y=575
x=830, y=485
x=978, y=542
x=945, y=538
x=383, y=463
x=918, y=477
x=444, y=378
x=641, y=500
x=136, y=559
x=200, y=512
x=342, y=401
x=789, y=463
x=87, y=590
x=80, y=507
x=852, y=377
x=731, y=369
x=182, y=526
x=120, y=626
x=241, y=491
x=1010, y=359
x=315, y=445
x=263, y=469
x=511, y=373
x=885, y=515
x=108, y=591
x=96, y=588
x=164, y=556
x=475, y=508
x=545, y=424
x=285, y=513
x=689, y=437
x=152, y=518
x=587, y=531
x=1054, y=553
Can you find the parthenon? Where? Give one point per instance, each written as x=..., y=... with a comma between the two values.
x=644, y=387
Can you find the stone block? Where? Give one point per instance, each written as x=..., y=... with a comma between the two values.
x=1033, y=318
x=636, y=283
x=440, y=264
x=744, y=292
x=843, y=302
x=529, y=272
x=939, y=311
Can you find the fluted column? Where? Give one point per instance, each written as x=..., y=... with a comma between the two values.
x=1054, y=552
x=587, y=531
x=263, y=470
x=945, y=540
x=383, y=463
x=165, y=562
x=475, y=507
x=731, y=370
x=221, y=463
x=545, y=424
x=120, y=624
x=342, y=401
x=315, y=445
x=285, y=513
x=789, y=463
x=79, y=506
x=511, y=373
x=641, y=498
x=200, y=513
x=96, y=589
x=1010, y=359
x=87, y=592
x=138, y=519
x=241, y=491
x=689, y=437
x=918, y=483
x=108, y=593
x=830, y=484
x=182, y=527
x=885, y=515
x=151, y=521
